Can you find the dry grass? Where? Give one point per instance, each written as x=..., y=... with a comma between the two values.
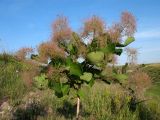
x=30, y=70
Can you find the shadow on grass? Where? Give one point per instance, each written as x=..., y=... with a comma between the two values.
x=147, y=114
x=31, y=112
x=68, y=110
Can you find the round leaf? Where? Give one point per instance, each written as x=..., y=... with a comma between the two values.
x=95, y=57
x=86, y=76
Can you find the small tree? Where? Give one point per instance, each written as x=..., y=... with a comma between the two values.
x=23, y=52
x=131, y=55
x=97, y=54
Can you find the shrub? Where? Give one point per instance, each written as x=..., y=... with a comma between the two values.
x=139, y=81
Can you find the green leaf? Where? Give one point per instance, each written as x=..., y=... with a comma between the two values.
x=65, y=89
x=57, y=87
x=110, y=48
x=68, y=61
x=95, y=57
x=119, y=45
x=72, y=49
x=118, y=51
x=93, y=46
x=80, y=93
x=41, y=81
x=59, y=95
x=104, y=73
x=91, y=82
x=129, y=40
x=60, y=89
x=121, y=77
x=57, y=62
x=86, y=76
x=75, y=69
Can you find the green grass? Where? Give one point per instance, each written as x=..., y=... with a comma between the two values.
x=104, y=102
x=154, y=91
x=153, y=70
x=98, y=103
x=11, y=85
x=101, y=102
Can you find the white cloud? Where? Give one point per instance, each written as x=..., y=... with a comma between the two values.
x=148, y=34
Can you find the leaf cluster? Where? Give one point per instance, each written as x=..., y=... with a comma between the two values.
x=97, y=53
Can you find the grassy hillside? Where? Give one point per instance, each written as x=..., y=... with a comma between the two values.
x=153, y=71
x=22, y=101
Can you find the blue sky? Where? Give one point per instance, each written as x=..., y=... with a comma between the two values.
x=26, y=23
